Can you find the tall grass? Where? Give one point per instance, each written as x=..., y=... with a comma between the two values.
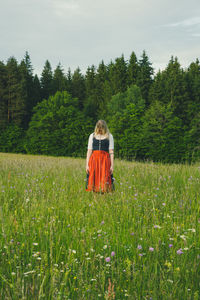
x=59, y=242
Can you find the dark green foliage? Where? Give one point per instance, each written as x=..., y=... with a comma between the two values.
x=58, y=127
x=12, y=139
x=145, y=76
x=16, y=94
x=118, y=75
x=132, y=70
x=59, y=80
x=78, y=87
x=162, y=134
x=125, y=111
x=3, y=96
x=47, y=81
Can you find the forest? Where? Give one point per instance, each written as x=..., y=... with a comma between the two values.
x=152, y=116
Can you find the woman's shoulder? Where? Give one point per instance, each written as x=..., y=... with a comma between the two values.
x=110, y=135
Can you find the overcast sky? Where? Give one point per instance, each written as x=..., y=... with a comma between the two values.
x=84, y=32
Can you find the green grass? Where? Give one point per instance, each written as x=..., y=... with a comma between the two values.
x=55, y=237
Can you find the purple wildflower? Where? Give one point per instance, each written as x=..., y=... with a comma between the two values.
x=112, y=253
x=151, y=249
x=170, y=245
x=179, y=251
x=108, y=259
x=139, y=247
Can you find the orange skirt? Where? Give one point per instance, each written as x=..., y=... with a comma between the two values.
x=99, y=172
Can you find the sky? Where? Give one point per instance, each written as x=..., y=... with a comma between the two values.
x=82, y=33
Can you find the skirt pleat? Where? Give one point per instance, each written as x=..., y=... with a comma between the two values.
x=99, y=179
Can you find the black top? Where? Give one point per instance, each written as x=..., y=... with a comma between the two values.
x=100, y=144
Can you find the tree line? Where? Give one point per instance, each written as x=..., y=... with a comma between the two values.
x=151, y=116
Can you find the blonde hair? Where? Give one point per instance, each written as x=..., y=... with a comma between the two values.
x=101, y=128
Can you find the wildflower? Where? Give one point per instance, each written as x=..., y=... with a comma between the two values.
x=35, y=244
x=102, y=223
x=179, y=251
x=105, y=247
x=107, y=259
x=183, y=237
x=163, y=203
x=168, y=264
x=170, y=245
x=192, y=230
x=139, y=247
x=132, y=233
x=112, y=253
x=74, y=251
x=157, y=226
x=151, y=249
x=140, y=254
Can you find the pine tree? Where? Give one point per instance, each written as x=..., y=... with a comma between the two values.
x=69, y=81
x=102, y=86
x=90, y=83
x=37, y=96
x=91, y=102
x=193, y=88
x=16, y=102
x=118, y=75
x=78, y=87
x=176, y=89
x=46, y=81
x=3, y=96
x=144, y=78
x=157, y=89
x=59, y=79
x=132, y=69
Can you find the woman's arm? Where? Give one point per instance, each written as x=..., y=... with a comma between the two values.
x=111, y=152
x=89, y=152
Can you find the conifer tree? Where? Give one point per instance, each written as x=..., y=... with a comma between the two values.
x=78, y=87
x=193, y=87
x=103, y=89
x=69, y=81
x=118, y=75
x=37, y=97
x=15, y=93
x=132, y=69
x=145, y=76
x=90, y=84
x=176, y=89
x=3, y=96
x=59, y=79
x=46, y=81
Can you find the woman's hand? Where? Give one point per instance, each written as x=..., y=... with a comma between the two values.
x=87, y=169
x=111, y=170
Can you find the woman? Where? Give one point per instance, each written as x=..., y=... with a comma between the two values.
x=100, y=159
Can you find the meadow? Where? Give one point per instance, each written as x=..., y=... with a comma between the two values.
x=60, y=242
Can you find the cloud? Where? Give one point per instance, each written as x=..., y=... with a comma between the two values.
x=185, y=23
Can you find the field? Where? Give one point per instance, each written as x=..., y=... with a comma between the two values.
x=59, y=242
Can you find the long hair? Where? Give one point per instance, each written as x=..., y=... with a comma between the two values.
x=101, y=128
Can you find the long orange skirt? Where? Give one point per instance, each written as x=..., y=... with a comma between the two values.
x=99, y=172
